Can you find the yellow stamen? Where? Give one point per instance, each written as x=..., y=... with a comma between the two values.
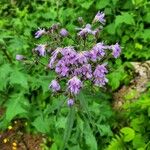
x=5, y=140
x=14, y=144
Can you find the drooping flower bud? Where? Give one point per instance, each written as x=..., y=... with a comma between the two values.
x=100, y=18
x=116, y=50
x=41, y=49
x=70, y=102
x=63, y=32
x=19, y=57
x=74, y=85
x=39, y=33
x=54, y=85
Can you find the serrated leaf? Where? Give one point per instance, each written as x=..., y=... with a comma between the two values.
x=85, y=4
x=5, y=71
x=89, y=137
x=16, y=105
x=42, y=124
x=102, y=3
x=18, y=78
x=124, y=18
x=129, y=134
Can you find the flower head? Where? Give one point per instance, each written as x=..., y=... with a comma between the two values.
x=54, y=85
x=85, y=31
x=63, y=32
x=87, y=71
x=39, y=33
x=41, y=49
x=100, y=75
x=100, y=18
x=116, y=50
x=74, y=85
x=54, y=57
x=81, y=57
x=61, y=68
x=70, y=102
x=97, y=52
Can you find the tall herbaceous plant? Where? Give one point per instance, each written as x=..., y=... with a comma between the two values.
x=79, y=60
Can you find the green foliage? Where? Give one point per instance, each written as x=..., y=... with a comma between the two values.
x=136, y=135
x=24, y=89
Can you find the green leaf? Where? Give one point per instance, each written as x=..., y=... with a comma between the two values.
x=104, y=130
x=54, y=147
x=110, y=28
x=116, y=144
x=124, y=18
x=16, y=105
x=69, y=125
x=129, y=134
x=89, y=137
x=85, y=4
x=61, y=122
x=138, y=141
x=18, y=78
x=102, y=3
x=42, y=124
x=5, y=71
x=116, y=77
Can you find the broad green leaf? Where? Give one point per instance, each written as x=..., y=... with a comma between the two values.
x=54, y=147
x=145, y=34
x=61, y=122
x=116, y=77
x=102, y=3
x=42, y=124
x=129, y=134
x=138, y=141
x=19, y=78
x=104, y=130
x=125, y=17
x=16, y=105
x=5, y=71
x=110, y=28
x=85, y=4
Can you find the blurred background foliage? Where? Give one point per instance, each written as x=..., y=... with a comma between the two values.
x=24, y=87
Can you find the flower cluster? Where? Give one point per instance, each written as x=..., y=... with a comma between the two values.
x=77, y=63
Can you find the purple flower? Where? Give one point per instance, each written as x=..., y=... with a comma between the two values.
x=39, y=33
x=68, y=51
x=99, y=75
x=74, y=85
x=116, y=50
x=85, y=31
x=63, y=32
x=41, y=49
x=54, y=85
x=61, y=68
x=100, y=81
x=70, y=102
x=19, y=57
x=81, y=57
x=77, y=71
x=97, y=52
x=87, y=71
x=54, y=57
x=96, y=32
x=100, y=18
